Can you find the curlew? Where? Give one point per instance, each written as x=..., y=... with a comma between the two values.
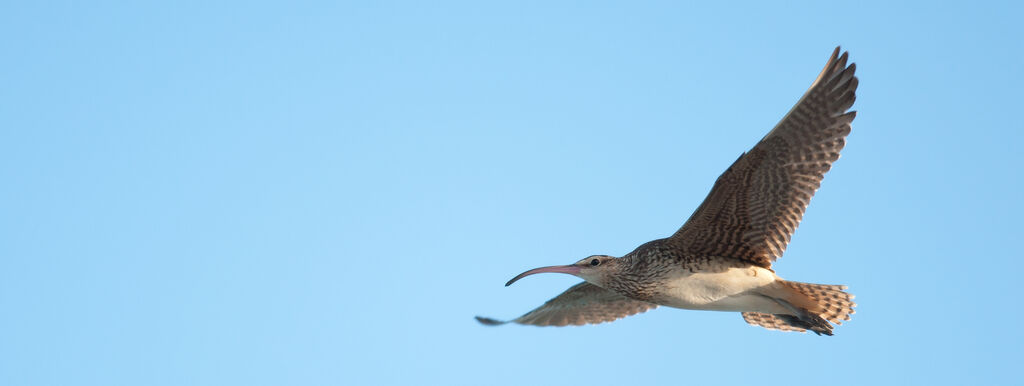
x=721, y=258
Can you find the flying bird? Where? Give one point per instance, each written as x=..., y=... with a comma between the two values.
x=721, y=258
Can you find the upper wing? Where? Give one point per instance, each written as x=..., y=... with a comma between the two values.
x=756, y=205
x=583, y=303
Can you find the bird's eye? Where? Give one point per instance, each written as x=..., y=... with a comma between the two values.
x=595, y=262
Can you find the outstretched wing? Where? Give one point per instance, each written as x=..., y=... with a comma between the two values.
x=581, y=304
x=757, y=204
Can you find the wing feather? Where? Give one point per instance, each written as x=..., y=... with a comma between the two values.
x=583, y=303
x=756, y=205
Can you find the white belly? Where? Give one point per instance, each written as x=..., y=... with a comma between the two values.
x=736, y=289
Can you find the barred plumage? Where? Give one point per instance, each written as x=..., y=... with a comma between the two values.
x=832, y=303
x=758, y=202
x=721, y=258
x=771, y=322
x=583, y=303
x=836, y=305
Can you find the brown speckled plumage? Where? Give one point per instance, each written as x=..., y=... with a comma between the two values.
x=583, y=303
x=743, y=225
x=757, y=204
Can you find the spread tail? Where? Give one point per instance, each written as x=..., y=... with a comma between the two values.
x=815, y=305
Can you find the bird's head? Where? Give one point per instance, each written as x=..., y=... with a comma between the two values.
x=596, y=269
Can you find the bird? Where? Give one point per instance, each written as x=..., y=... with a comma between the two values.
x=721, y=258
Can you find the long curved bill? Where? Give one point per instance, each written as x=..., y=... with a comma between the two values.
x=569, y=269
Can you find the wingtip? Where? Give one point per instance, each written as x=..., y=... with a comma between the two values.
x=839, y=57
x=489, y=321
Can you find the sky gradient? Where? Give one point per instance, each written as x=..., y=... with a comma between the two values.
x=250, y=193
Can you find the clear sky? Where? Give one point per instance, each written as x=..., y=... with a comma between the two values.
x=245, y=193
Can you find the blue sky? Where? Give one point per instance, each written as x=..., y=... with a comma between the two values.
x=327, y=193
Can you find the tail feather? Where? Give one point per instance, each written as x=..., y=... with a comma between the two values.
x=836, y=305
x=773, y=322
x=822, y=303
